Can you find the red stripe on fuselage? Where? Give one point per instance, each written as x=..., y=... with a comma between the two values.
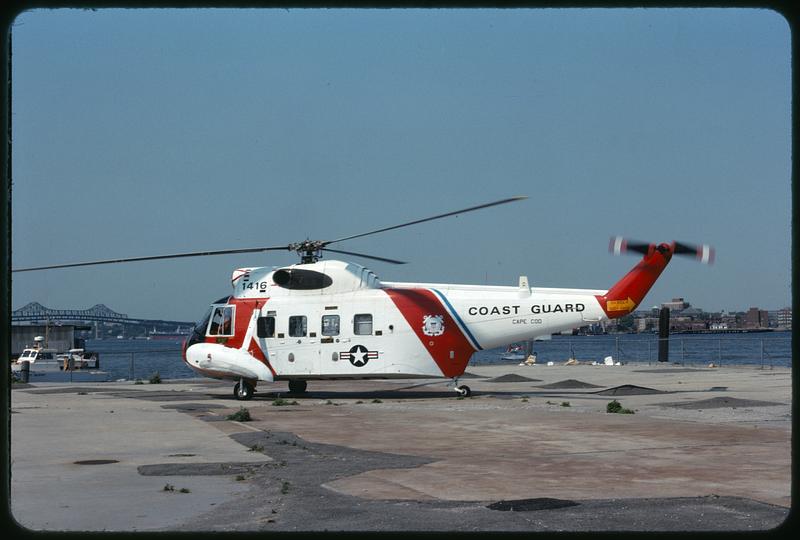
x=415, y=304
x=244, y=311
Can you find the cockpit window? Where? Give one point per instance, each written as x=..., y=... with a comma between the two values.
x=221, y=323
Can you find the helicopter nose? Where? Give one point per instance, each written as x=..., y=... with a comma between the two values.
x=216, y=358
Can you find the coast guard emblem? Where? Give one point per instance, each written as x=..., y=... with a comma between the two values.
x=433, y=325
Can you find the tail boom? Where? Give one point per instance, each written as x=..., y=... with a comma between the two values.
x=629, y=291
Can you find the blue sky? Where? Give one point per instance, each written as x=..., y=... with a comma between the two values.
x=141, y=132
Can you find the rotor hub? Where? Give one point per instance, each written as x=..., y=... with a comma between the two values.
x=310, y=251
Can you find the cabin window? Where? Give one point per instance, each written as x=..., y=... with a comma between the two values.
x=265, y=327
x=297, y=326
x=362, y=324
x=221, y=321
x=330, y=325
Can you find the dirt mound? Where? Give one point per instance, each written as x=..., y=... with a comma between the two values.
x=669, y=370
x=569, y=383
x=629, y=390
x=719, y=403
x=513, y=377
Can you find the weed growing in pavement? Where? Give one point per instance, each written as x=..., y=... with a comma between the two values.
x=616, y=407
x=242, y=415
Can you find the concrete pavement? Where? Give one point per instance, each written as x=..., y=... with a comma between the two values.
x=703, y=445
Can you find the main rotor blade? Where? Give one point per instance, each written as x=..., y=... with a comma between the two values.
x=365, y=256
x=154, y=257
x=470, y=209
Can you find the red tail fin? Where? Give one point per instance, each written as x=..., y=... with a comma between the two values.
x=629, y=291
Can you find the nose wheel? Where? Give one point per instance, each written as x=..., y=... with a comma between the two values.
x=243, y=390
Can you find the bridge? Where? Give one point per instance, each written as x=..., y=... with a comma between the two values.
x=35, y=312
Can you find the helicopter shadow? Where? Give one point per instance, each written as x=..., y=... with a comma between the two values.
x=402, y=395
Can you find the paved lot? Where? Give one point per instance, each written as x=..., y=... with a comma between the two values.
x=532, y=449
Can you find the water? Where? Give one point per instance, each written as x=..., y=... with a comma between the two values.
x=769, y=349
x=140, y=359
x=132, y=359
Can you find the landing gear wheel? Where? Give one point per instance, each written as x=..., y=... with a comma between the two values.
x=464, y=391
x=243, y=391
x=297, y=387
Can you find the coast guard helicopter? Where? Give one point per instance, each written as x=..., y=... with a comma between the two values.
x=330, y=319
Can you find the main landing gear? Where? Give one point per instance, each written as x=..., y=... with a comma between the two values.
x=463, y=390
x=243, y=390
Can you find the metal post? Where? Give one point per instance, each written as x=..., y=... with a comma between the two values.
x=648, y=351
x=131, y=366
x=616, y=348
x=683, y=353
x=663, y=335
x=762, y=353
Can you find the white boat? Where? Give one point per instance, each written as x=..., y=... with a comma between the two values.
x=41, y=364
x=516, y=352
x=522, y=353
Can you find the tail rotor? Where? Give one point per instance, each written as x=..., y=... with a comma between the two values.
x=703, y=253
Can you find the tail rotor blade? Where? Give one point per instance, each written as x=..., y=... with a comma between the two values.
x=620, y=245
x=703, y=253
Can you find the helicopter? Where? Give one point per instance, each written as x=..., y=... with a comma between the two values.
x=327, y=319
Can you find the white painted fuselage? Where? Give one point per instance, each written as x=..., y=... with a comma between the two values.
x=333, y=319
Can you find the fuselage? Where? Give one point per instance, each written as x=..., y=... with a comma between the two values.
x=334, y=319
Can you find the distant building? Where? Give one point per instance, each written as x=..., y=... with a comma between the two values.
x=641, y=324
x=677, y=304
x=756, y=318
x=60, y=337
x=781, y=318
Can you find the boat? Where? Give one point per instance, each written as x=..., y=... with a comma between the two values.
x=177, y=335
x=515, y=352
x=42, y=364
x=522, y=353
